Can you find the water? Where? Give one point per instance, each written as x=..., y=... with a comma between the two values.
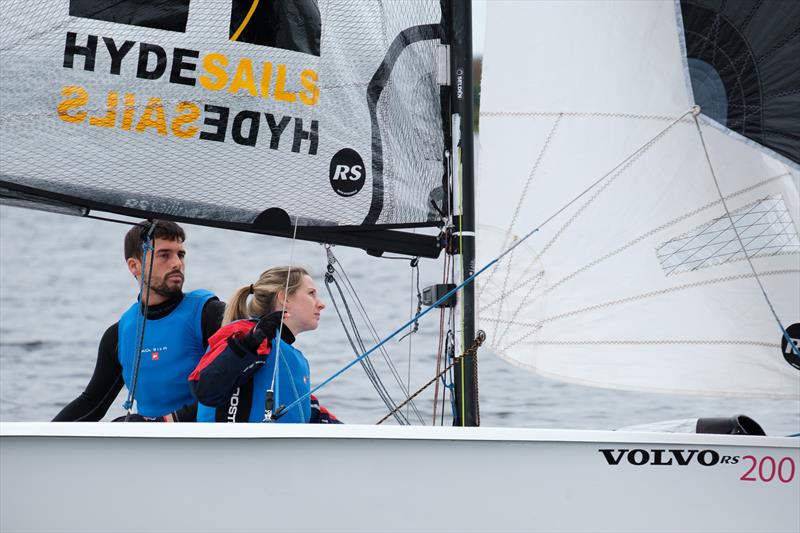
x=63, y=281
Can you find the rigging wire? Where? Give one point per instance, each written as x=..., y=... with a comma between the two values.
x=141, y=317
x=450, y=353
x=415, y=328
x=375, y=335
x=695, y=112
x=499, y=257
x=359, y=346
x=448, y=379
x=271, y=393
x=440, y=345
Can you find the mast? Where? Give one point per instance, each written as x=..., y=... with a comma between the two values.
x=466, y=379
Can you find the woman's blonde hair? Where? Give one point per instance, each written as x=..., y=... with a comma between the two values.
x=265, y=293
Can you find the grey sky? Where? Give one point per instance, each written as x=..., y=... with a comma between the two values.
x=478, y=23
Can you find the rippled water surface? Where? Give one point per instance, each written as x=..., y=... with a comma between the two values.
x=63, y=281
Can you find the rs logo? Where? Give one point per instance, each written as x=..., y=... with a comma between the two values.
x=790, y=345
x=788, y=349
x=344, y=172
x=347, y=172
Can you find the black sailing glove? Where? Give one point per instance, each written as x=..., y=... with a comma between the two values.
x=266, y=329
x=235, y=364
x=136, y=417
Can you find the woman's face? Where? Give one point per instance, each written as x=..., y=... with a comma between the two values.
x=303, y=307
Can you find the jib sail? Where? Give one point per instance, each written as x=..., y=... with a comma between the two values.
x=642, y=282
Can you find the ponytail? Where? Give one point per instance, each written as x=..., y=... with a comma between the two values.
x=236, y=308
x=265, y=293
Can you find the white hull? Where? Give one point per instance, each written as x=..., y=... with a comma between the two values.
x=254, y=477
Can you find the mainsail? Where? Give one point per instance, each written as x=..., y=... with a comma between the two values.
x=641, y=283
x=221, y=112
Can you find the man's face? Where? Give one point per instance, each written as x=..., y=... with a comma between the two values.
x=166, y=279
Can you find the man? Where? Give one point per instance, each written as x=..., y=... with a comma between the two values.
x=176, y=336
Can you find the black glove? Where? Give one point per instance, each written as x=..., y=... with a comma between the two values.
x=265, y=329
x=135, y=417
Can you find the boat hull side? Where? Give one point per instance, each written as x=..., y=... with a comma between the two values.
x=368, y=480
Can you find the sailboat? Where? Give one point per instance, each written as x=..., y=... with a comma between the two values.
x=609, y=210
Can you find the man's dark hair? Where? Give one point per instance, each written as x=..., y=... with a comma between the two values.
x=165, y=229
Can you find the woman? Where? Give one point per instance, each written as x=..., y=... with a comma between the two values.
x=233, y=379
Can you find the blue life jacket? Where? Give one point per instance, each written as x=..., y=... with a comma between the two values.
x=172, y=347
x=292, y=382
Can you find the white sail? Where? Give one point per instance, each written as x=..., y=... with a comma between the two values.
x=187, y=110
x=641, y=283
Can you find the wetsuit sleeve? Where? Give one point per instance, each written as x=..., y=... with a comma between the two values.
x=187, y=413
x=211, y=319
x=103, y=387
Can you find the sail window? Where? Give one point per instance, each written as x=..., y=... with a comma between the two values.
x=765, y=228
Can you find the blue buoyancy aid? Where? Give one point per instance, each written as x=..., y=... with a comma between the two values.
x=292, y=382
x=172, y=347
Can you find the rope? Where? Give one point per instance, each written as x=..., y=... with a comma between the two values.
x=449, y=354
x=366, y=364
x=440, y=343
x=371, y=327
x=414, y=266
x=415, y=328
x=795, y=350
x=273, y=389
x=141, y=319
x=472, y=350
x=360, y=347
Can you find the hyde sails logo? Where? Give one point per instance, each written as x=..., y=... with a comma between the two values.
x=290, y=25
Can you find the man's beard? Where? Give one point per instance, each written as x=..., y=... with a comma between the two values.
x=163, y=289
